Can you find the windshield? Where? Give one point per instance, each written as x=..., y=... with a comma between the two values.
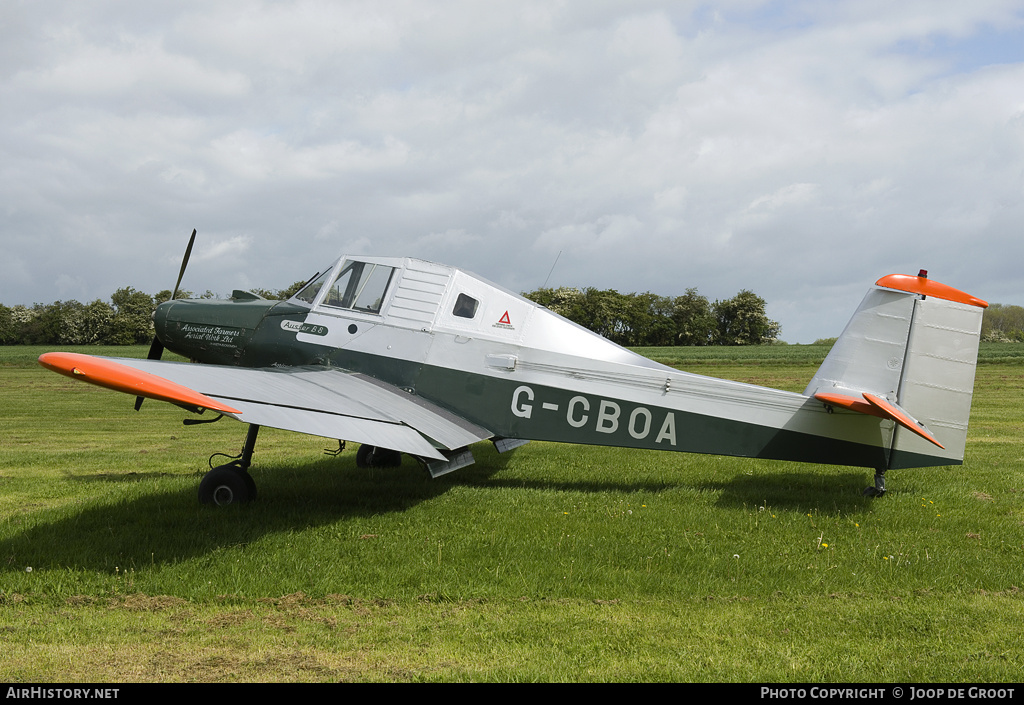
x=360, y=286
x=308, y=293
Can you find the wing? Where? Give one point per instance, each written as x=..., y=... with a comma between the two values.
x=319, y=401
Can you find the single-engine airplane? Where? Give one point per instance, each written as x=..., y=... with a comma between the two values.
x=406, y=356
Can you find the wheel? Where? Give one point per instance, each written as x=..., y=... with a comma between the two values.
x=879, y=489
x=250, y=484
x=226, y=485
x=373, y=457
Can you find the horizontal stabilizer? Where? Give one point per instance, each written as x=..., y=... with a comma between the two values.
x=875, y=405
x=121, y=378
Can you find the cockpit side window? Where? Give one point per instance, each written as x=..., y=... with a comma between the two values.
x=465, y=306
x=360, y=286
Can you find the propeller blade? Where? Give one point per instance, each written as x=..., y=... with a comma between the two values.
x=184, y=263
x=156, y=349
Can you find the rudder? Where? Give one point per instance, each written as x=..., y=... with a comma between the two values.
x=913, y=342
x=937, y=385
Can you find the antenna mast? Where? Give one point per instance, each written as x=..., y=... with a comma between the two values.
x=552, y=270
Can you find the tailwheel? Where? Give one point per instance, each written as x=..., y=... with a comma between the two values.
x=373, y=457
x=227, y=484
x=879, y=489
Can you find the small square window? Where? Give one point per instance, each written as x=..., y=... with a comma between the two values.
x=465, y=306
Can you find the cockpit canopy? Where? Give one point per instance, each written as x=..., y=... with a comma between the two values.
x=424, y=296
x=403, y=291
x=359, y=286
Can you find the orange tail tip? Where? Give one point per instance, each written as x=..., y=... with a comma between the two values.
x=928, y=287
x=121, y=378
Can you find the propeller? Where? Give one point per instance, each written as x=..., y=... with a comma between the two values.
x=156, y=349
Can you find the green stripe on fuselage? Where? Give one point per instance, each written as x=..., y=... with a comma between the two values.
x=570, y=416
x=515, y=409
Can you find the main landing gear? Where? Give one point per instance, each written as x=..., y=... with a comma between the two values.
x=373, y=457
x=231, y=483
x=879, y=489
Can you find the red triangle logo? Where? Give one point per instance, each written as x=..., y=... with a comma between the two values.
x=505, y=319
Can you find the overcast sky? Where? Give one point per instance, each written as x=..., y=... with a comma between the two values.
x=798, y=149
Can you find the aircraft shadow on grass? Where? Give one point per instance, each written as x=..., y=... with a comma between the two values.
x=793, y=491
x=167, y=527
x=149, y=530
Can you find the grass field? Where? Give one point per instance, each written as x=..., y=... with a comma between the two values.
x=550, y=563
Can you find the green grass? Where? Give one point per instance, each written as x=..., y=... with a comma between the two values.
x=773, y=355
x=715, y=355
x=551, y=563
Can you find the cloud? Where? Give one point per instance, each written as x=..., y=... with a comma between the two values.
x=801, y=150
x=230, y=248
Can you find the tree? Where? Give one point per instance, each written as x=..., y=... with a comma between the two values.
x=65, y=323
x=132, y=323
x=1003, y=324
x=693, y=321
x=649, y=319
x=566, y=301
x=21, y=320
x=165, y=295
x=39, y=324
x=602, y=311
x=8, y=327
x=741, y=320
x=96, y=320
x=71, y=323
x=646, y=320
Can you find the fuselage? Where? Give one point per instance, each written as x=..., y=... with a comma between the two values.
x=511, y=366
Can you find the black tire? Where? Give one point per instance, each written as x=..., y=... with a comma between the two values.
x=250, y=484
x=373, y=457
x=226, y=485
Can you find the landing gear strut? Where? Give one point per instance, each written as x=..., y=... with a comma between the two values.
x=373, y=457
x=231, y=483
x=879, y=489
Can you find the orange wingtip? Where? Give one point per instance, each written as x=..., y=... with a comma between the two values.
x=121, y=378
x=928, y=287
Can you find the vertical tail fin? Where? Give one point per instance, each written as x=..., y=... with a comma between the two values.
x=914, y=343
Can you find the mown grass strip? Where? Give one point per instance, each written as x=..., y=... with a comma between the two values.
x=550, y=563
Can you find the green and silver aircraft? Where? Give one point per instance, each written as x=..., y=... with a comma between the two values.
x=406, y=356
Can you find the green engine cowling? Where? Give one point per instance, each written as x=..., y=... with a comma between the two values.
x=236, y=331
